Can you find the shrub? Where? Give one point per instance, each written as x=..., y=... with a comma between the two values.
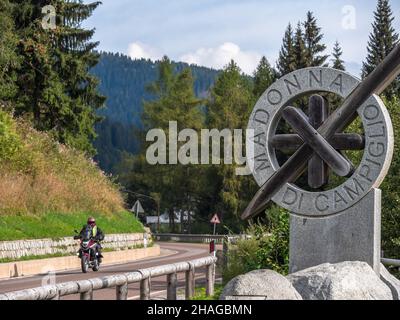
x=267, y=247
x=390, y=191
x=10, y=143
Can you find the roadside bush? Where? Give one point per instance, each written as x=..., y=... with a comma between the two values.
x=10, y=143
x=267, y=247
x=390, y=191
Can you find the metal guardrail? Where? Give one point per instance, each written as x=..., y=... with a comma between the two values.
x=225, y=240
x=391, y=262
x=86, y=287
x=200, y=238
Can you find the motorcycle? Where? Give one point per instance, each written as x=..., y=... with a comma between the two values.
x=88, y=252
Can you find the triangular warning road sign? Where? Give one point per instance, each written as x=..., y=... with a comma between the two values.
x=137, y=208
x=215, y=219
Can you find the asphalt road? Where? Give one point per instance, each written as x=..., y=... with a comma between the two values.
x=170, y=253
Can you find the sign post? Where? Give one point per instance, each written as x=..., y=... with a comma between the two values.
x=215, y=220
x=137, y=208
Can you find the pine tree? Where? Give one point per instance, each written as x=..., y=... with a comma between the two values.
x=229, y=107
x=338, y=63
x=382, y=40
x=231, y=98
x=302, y=48
x=312, y=39
x=264, y=76
x=173, y=100
x=163, y=84
x=8, y=58
x=154, y=111
x=299, y=49
x=55, y=88
x=286, y=61
x=76, y=59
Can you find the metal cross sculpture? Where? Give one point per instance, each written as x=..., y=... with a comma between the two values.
x=325, y=154
x=319, y=139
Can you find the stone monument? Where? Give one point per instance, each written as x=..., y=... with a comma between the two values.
x=326, y=225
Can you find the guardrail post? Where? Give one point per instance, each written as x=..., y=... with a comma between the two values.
x=189, y=282
x=145, y=289
x=87, y=295
x=122, y=292
x=172, y=284
x=85, y=288
x=210, y=276
x=57, y=296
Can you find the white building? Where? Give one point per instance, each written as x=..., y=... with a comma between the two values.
x=164, y=218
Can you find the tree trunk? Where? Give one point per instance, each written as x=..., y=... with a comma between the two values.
x=189, y=221
x=171, y=215
x=182, y=224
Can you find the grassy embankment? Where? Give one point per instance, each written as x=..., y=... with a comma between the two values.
x=47, y=189
x=57, y=225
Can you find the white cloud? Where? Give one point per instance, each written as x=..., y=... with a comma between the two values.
x=138, y=50
x=220, y=56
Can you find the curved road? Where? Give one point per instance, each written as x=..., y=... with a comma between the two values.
x=170, y=253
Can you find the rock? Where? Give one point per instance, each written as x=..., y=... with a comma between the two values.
x=391, y=281
x=343, y=281
x=260, y=285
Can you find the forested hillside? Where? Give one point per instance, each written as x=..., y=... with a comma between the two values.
x=123, y=81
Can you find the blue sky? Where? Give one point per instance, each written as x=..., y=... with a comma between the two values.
x=210, y=32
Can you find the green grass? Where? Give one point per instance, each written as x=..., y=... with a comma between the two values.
x=200, y=293
x=57, y=225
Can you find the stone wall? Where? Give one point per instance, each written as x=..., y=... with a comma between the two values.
x=67, y=245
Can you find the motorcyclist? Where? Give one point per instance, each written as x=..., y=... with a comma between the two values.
x=97, y=234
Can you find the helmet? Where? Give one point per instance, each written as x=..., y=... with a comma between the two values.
x=91, y=221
